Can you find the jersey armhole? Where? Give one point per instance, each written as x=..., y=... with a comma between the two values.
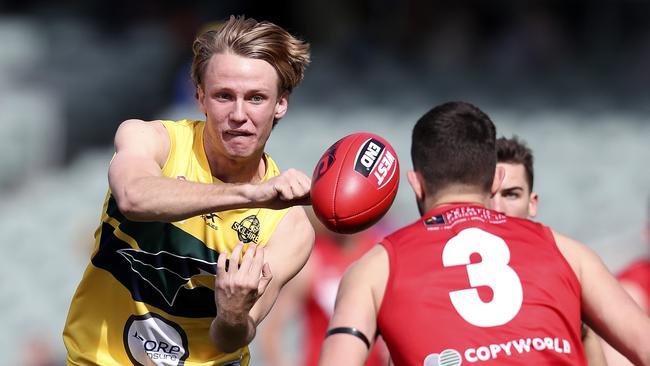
x=576, y=281
x=392, y=272
x=172, y=143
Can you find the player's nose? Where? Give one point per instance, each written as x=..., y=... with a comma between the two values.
x=238, y=112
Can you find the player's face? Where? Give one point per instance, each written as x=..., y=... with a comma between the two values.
x=514, y=197
x=240, y=97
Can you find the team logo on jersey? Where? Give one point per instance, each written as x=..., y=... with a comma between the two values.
x=168, y=273
x=448, y=357
x=150, y=339
x=248, y=229
x=326, y=161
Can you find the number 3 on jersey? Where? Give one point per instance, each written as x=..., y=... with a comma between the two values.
x=493, y=271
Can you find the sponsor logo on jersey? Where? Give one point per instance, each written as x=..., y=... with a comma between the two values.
x=452, y=357
x=248, y=229
x=210, y=220
x=374, y=161
x=150, y=339
x=434, y=220
x=168, y=273
x=326, y=161
x=448, y=357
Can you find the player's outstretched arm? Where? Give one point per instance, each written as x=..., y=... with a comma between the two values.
x=607, y=308
x=613, y=357
x=355, y=314
x=144, y=194
x=245, y=295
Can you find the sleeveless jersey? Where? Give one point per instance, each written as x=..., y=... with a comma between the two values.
x=147, y=297
x=329, y=261
x=469, y=285
x=639, y=274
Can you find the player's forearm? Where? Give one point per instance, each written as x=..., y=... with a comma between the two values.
x=342, y=352
x=229, y=335
x=167, y=199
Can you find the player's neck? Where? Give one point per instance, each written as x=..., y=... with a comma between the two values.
x=251, y=170
x=449, y=198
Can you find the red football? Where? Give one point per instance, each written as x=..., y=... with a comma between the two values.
x=355, y=182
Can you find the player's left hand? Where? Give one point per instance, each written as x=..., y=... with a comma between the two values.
x=237, y=287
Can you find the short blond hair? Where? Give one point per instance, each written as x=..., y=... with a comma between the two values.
x=247, y=37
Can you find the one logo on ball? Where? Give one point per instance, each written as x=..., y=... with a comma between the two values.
x=326, y=161
x=150, y=339
x=367, y=156
x=248, y=229
x=374, y=158
x=448, y=357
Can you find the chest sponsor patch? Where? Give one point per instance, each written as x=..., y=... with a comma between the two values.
x=498, y=351
x=150, y=339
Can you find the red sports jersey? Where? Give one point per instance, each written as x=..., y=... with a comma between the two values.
x=639, y=274
x=469, y=285
x=329, y=263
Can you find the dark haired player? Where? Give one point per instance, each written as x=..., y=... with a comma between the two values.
x=464, y=283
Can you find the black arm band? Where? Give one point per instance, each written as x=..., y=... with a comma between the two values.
x=351, y=331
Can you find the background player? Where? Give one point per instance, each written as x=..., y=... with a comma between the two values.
x=436, y=296
x=515, y=197
x=312, y=293
x=187, y=196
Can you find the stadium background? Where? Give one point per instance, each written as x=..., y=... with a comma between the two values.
x=569, y=77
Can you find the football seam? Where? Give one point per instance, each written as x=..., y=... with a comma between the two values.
x=338, y=177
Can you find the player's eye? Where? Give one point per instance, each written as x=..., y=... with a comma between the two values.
x=257, y=98
x=223, y=96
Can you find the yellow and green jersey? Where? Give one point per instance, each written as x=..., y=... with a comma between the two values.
x=147, y=296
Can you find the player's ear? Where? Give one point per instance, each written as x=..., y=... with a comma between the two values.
x=200, y=95
x=281, y=105
x=415, y=180
x=499, y=175
x=532, y=204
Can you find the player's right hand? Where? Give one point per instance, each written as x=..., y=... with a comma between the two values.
x=288, y=189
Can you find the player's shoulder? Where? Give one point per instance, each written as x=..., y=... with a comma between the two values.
x=370, y=266
x=141, y=127
x=575, y=252
x=134, y=122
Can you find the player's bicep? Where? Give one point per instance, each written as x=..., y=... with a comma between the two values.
x=625, y=328
x=355, y=312
x=141, y=149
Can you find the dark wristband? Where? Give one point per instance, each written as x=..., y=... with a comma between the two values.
x=351, y=331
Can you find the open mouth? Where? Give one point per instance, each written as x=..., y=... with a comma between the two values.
x=238, y=133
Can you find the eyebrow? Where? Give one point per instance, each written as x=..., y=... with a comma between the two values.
x=511, y=189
